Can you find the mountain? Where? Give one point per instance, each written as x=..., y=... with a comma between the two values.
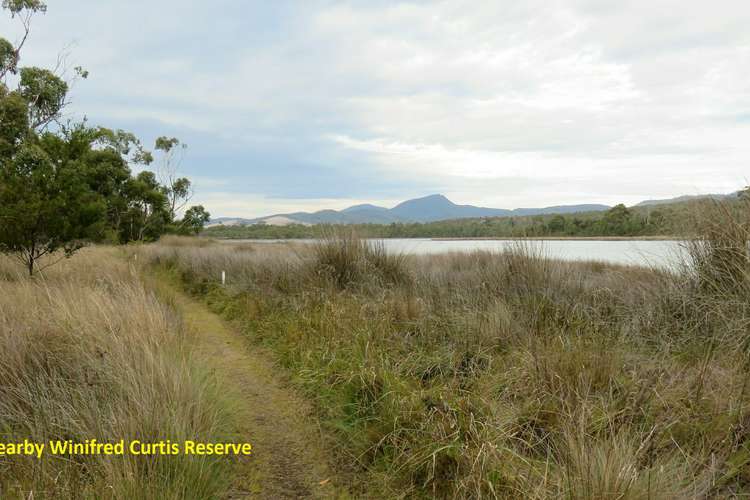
x=427, y=209
x=364, y=207
x=680, y=199
x=438, y=207
x=561, y=209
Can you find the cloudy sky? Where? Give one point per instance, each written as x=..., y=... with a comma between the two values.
x=302, y=105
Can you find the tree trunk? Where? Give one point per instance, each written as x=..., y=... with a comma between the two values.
x=30, y=258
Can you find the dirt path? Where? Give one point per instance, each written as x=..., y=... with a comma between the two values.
x=289, y=459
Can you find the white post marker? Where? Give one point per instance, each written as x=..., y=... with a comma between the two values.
x=223, y=278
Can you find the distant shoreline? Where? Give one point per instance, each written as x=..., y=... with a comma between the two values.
x=558, y=238
x=490, y=238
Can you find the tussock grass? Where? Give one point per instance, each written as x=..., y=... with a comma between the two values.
x=507, y=375
x=719, y=257
x=89, y=353
x=617, y=465
x=347, y=260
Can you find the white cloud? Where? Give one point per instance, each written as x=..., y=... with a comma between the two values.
x=506, y=104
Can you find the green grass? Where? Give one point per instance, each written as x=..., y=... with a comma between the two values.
x=488, y=375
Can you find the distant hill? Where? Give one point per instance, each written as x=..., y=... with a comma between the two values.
x=680, y=199
x=365, y=207
x=438, y=207
x=227, y=221
x=431, y=208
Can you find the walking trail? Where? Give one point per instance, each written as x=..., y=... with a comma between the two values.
x=289, y=459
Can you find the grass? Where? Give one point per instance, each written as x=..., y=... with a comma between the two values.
x=466, y=375
x=89, y=353
x=500, y=375
x=346, y=261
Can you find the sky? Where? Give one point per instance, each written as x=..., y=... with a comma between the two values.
x=305, y=105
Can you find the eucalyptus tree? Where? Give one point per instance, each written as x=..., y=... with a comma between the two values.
x=178, y=190
x=63, y=184
x=194, y=220
x=46, y=204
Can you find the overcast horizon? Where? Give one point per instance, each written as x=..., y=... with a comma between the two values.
x=294, y=106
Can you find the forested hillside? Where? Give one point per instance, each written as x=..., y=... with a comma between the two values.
x=673, y=220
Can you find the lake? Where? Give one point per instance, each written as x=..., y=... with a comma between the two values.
x=636, y=252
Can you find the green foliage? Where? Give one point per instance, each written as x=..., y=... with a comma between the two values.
x=194, y=219
x=14, y=124
x=45, y=94
x=8, y=58
x=616, y=220
x=82, y=73
x=17, y=6
x=557, y=224
x=45, y=206
x=178, y=192
x=166, y=144
x=263, y=231
x=180, y=187
x=667, y=220
x=147, y=213
x=74, y=184
x=124, y=143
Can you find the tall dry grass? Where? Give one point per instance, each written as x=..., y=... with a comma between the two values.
x=505, y=375
x=346, y=260
x=89, y=353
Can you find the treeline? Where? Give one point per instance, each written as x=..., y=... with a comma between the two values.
x=664, y=220
x=62, y=184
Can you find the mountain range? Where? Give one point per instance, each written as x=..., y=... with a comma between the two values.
x=427, y=209
x=689, y=197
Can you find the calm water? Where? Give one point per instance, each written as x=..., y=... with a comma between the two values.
x=645, y=253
